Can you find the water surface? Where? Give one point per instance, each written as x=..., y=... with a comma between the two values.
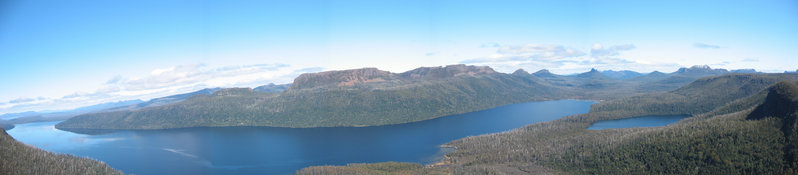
x=268, y=150
x=644, y=121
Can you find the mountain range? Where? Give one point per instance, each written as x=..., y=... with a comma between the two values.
x=8, y=121
x=369, y=97
x=740, y=124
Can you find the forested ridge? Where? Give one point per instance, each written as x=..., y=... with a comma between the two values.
x=18, y=158
x=733, y=128
x=332, y=106
x=752, y=132
x=370, y=97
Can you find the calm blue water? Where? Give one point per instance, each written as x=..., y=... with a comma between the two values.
x=266, y=150
x=644, y=121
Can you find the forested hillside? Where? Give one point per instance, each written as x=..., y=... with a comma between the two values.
x=751, y=132
x=330, y=106
x=18, y=158
x=368, y=97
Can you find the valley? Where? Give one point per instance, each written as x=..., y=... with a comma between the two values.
x=353, y=87
x=371, y=97
x=721, y=137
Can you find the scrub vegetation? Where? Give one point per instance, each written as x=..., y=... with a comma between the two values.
x=741, y=124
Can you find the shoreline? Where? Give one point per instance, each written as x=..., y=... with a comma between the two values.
x=281, y=127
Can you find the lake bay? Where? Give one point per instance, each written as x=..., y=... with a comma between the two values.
x=269, y=150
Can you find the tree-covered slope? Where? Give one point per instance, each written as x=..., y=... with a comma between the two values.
x=748, y=129
x=365, y=97
x=722, y=140
x=18, y=158
x=361, y=97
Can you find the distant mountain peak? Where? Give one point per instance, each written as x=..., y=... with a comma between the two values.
x=543, y=72
x=520, y=72
x=701, y=69
x=593, y=73
x=656, y=73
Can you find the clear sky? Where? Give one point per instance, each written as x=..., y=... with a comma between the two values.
x=70, y=53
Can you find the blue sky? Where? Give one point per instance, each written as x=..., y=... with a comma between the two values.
x=65, y=54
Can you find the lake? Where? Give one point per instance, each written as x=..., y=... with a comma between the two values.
x=644, y=121
x=269, y=150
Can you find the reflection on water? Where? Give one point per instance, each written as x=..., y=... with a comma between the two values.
x=44, y=135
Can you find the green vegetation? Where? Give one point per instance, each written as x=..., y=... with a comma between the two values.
x=330, y=106
x=376, y=168
x=368, y=97
x=18, y=158
x=741, y=124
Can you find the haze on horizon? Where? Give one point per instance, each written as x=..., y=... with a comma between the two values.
x=67, y=54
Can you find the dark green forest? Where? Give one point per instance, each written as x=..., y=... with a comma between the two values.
x=741, y=124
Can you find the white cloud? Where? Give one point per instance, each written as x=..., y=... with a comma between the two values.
x=564, y=60
x=722, y=63
x=750, y=60
x=598, y=50
x=528, y=53
x=160, y=71
x=491, y=44
x=705, y=46
x=163, y=82
x=537, y=51
x=21, y=100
